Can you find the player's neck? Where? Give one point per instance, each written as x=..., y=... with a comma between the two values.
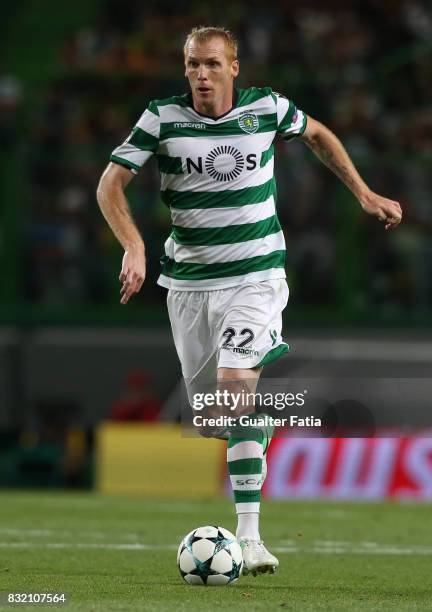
x=215, y=108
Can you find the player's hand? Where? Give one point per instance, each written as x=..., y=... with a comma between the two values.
x=388, y=211
x=133, y=272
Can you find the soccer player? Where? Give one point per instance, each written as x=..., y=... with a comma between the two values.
x=224, y=259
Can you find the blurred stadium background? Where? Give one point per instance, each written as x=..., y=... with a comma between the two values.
x=88, y=389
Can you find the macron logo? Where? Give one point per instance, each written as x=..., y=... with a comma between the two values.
x=185, y=124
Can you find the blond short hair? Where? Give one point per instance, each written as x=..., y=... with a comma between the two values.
x=206, y=33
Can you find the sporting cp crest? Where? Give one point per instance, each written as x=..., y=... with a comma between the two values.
x=248, y=122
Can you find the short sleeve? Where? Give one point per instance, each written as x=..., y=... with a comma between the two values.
x=141, y=143
x=291, y=120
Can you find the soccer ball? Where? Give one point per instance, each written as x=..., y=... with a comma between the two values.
x=210, y=556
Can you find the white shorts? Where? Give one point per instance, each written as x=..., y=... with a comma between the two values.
x=236, y=327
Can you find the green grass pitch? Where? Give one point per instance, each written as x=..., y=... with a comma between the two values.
x=119, y=553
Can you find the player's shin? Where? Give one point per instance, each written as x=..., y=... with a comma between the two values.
x=244, y=457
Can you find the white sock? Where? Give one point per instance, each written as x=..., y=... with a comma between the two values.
x=248, y=526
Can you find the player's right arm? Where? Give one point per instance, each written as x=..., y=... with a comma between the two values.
x=126, y=160
x=115, y=208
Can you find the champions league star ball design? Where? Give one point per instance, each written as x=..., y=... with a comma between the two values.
x=210, y=556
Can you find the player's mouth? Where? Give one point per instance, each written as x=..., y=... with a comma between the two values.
x=204, y=90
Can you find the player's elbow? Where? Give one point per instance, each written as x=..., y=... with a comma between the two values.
x=109, y=185
x=103, y=193
x=314, y=131
x=100, y=191
x=113, y=182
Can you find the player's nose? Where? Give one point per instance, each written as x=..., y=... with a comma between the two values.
x=202, y=73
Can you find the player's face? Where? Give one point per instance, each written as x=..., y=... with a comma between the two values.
x=211, y=71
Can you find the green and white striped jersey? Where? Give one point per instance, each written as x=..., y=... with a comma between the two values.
x=217, y=179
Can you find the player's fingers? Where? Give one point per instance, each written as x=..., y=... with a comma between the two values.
x=132, y=283
x=137, y=280
x=395, y=206
x=133, y=280
x=129, y=288
x=127, y=283
x=390, y=214
x=395, y=216
x=393, y=219
x=392, y=202
x=392, y=223
x=395, y=212
x=130, y=277
x=125, y=299
x=126, y=295
x=123, y=276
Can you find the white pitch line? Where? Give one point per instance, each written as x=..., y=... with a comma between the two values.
x=30, y=532
x=318, y=547
x=42, y=533
x=345, y=548
x=87, y=545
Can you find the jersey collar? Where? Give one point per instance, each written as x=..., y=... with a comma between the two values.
x=234, y=104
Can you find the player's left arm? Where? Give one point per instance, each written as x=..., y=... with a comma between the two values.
x=329, y=149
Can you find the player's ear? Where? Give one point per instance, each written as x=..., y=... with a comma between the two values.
x=235, y=68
